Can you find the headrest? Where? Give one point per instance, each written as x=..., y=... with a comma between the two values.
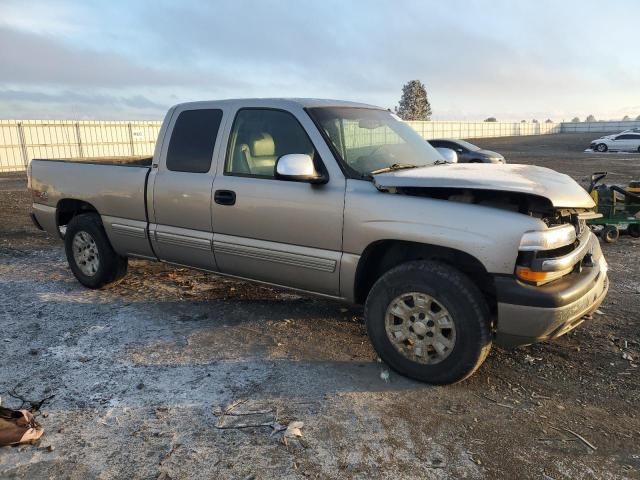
x=262, y=146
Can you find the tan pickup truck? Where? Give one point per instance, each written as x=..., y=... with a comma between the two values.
x=346, y=201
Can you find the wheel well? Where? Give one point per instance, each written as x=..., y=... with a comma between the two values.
x=69, y=208
x=380, y=257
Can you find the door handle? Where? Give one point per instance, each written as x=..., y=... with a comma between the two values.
x=224, y=197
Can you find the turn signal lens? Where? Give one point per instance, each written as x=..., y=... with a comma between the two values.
x=539, y=278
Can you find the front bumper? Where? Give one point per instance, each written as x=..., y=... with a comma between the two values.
x=529, y=314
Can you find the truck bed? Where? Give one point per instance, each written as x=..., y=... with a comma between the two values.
x=118, y=193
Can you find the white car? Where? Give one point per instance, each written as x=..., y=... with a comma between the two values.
x=627, y=141
x=628, y=130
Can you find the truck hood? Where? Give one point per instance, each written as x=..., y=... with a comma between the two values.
x=561, y=190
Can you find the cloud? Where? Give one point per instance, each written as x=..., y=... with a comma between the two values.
x=68, y=104
x=28, y=58
x=513, y=60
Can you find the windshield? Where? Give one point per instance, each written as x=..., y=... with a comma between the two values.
x=467, y=145
x=369, y=140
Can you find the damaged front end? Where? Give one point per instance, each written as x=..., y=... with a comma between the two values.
x=560, y=274
x=544, y=255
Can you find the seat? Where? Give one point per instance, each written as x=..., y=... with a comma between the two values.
x=260, y=154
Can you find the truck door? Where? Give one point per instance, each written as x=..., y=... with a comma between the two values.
x=180, y=216
x=283, y=232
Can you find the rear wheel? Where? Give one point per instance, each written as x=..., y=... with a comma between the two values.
x=634, y=230
x=89, y=253
x=428, y=321
x=610, y=233
x=601, y=147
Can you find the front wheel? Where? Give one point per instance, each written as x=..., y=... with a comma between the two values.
x=601, y=147
x=89, y=253
x=429, y=321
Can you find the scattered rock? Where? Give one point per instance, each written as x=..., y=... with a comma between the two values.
x=384, y=375
x=529, y=359
x=626, y=356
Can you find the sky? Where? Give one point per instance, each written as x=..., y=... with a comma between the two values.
x=128, y=59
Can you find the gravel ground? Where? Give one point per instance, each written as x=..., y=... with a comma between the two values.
x=140, y=371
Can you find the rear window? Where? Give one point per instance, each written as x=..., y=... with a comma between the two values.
x=192, y=140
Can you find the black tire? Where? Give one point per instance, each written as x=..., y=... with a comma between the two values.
x=111, y=267
x=610, y=234
x=601, y=147
x=452, y=289
x=634, y=230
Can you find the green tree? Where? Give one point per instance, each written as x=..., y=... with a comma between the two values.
x=414, y=103
x=490, y=119
x=548, y=120
x=590, y=118
x=626, y=118
x=575, y=120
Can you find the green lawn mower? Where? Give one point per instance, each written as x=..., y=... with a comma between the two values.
x=619, y=206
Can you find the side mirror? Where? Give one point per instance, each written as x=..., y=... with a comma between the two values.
x=298, y=167
x=449, y=155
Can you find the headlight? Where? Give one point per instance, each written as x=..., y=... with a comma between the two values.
x=549, y=239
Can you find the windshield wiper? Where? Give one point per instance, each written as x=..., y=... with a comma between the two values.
x=395, y=166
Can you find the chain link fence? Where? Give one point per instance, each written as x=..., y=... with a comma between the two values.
x=22, y=141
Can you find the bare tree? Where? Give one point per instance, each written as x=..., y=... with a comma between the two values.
x=414, y=103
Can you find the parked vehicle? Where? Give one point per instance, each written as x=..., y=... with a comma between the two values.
x=628, y=130
x=342, y=200
x=623, y=142
x=468, y=152
x=619, y=206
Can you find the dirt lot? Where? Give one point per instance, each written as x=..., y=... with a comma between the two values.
x=140, y=370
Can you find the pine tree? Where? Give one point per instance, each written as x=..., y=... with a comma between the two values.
x=414, y=104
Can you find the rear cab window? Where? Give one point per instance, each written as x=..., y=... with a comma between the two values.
x=192, y=140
